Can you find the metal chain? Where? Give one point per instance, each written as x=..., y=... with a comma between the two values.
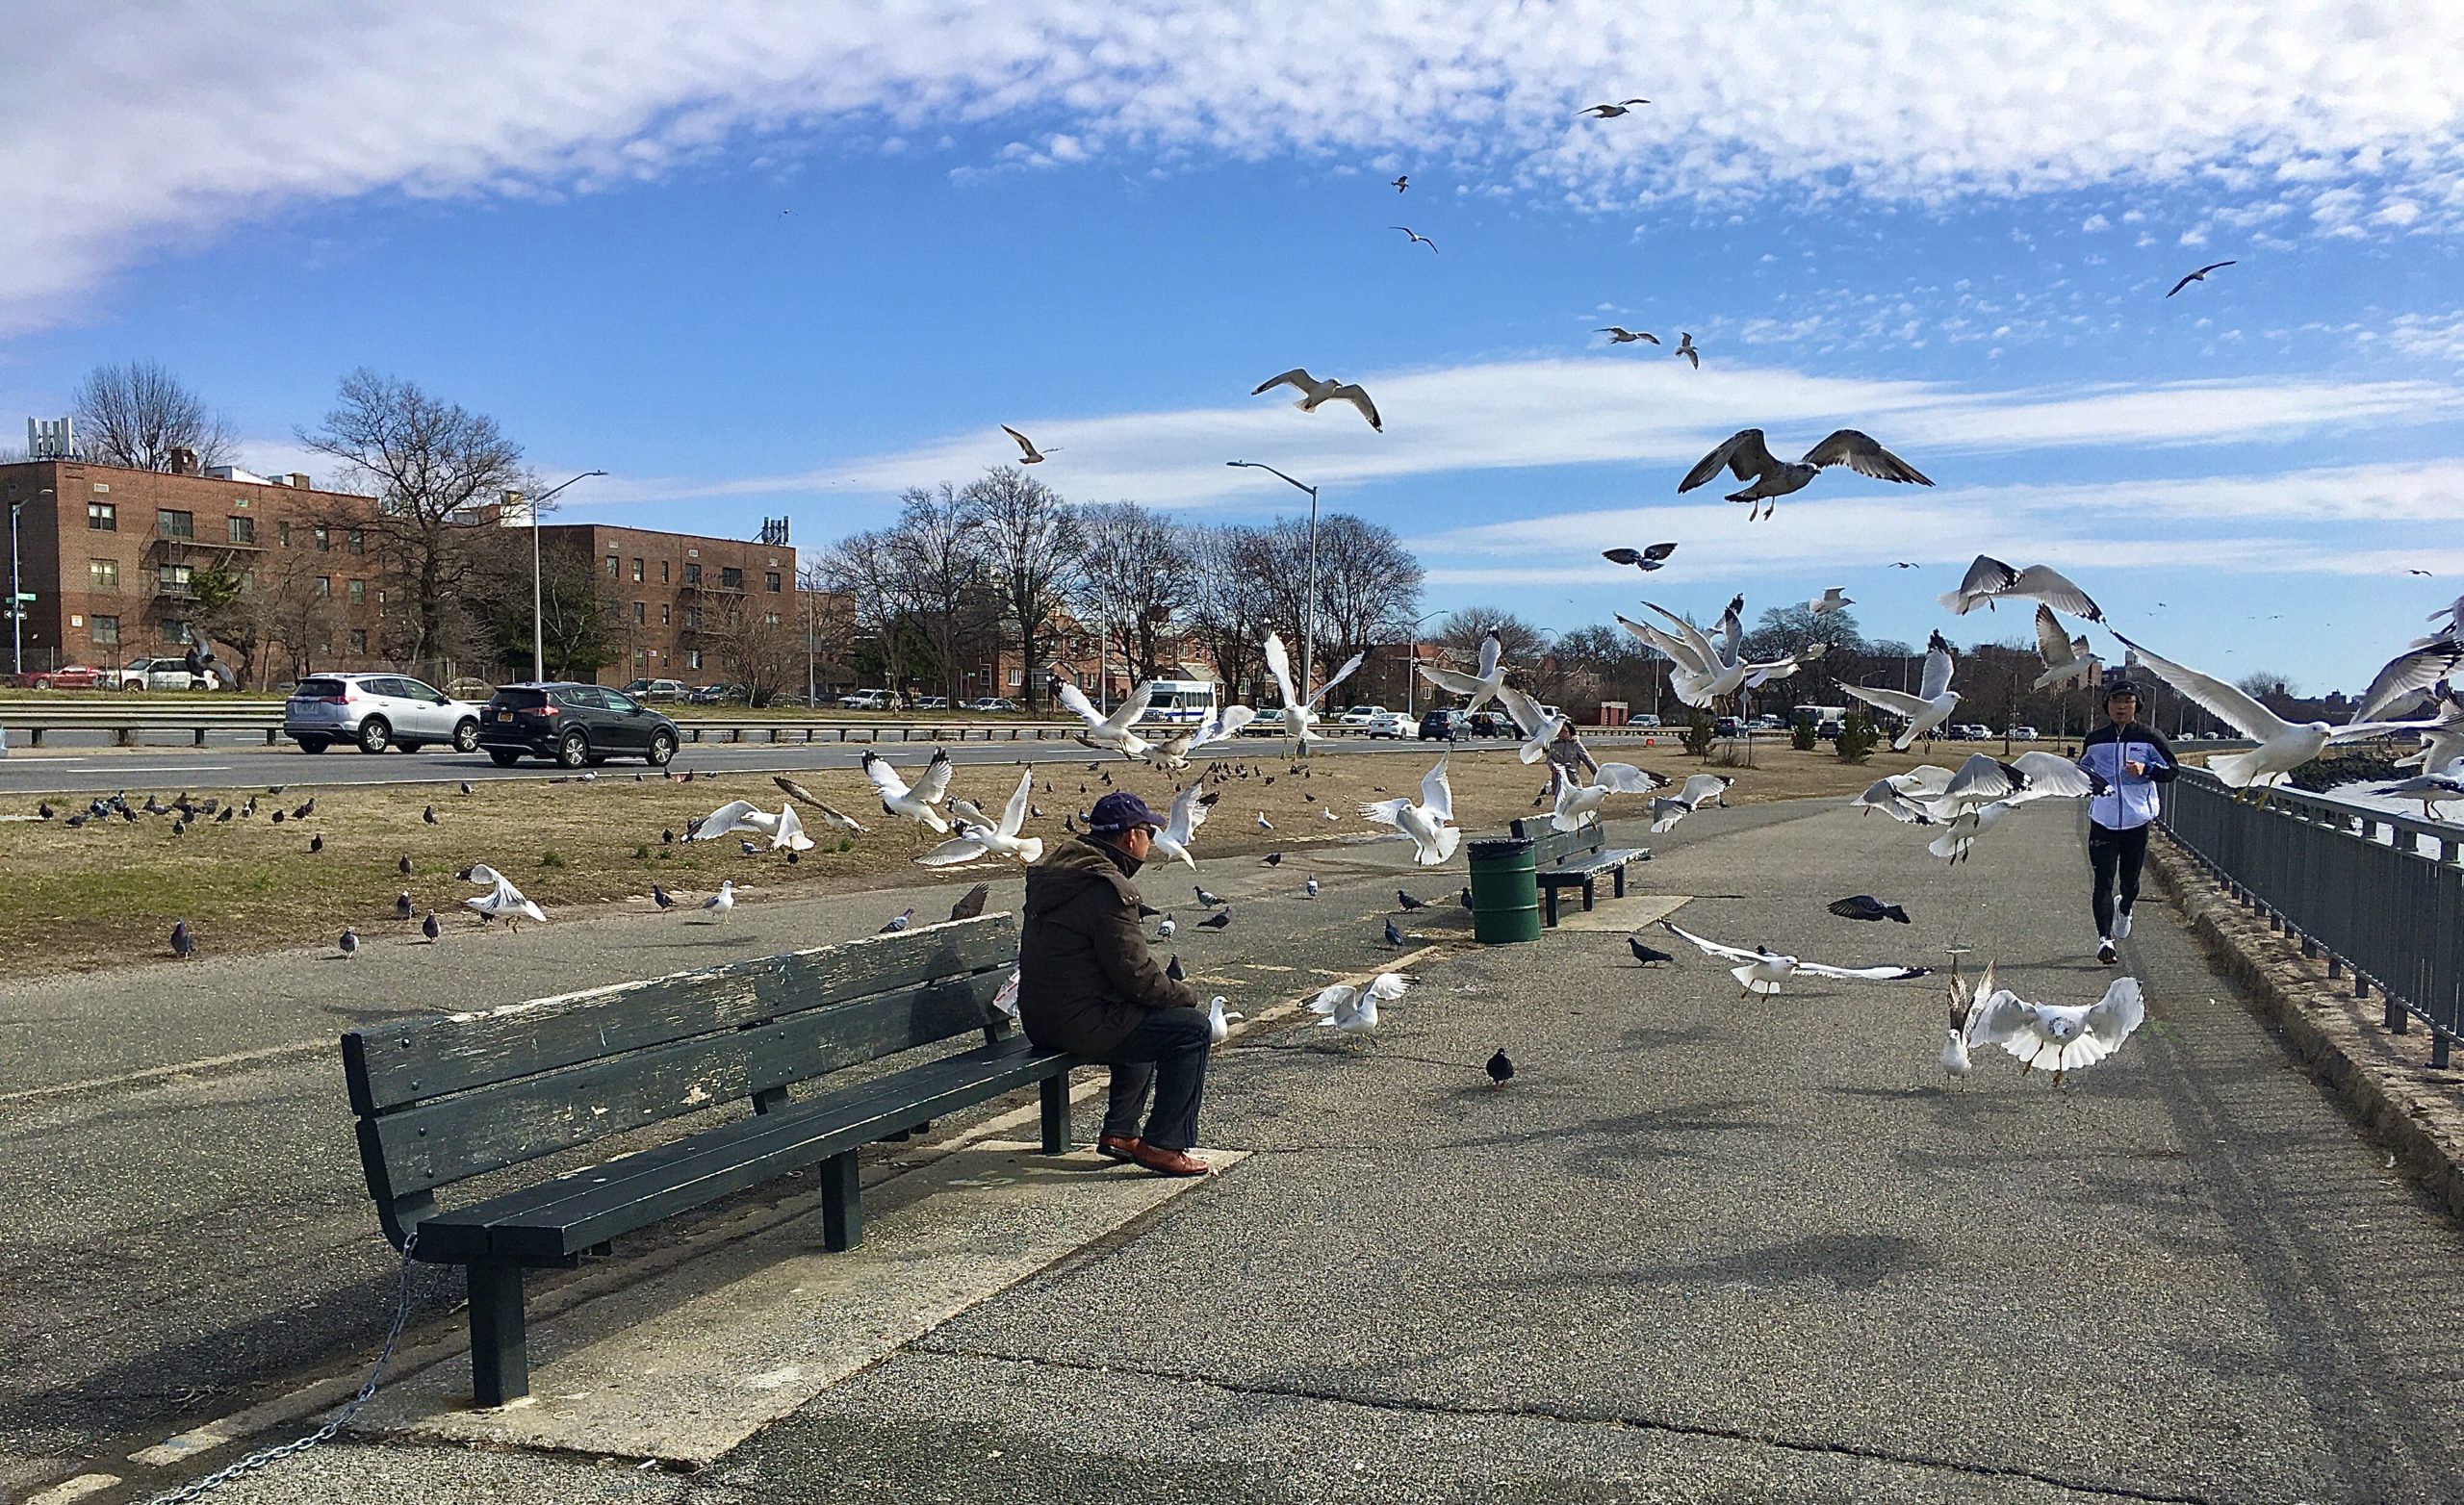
x=367, y=1391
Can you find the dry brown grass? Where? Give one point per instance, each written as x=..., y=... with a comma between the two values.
x=107, y=893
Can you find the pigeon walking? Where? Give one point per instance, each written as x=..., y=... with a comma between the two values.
x=898, y=921
x=429, y=927
x=1408, y=903
x=663, y=898
x=1648, y=956
x=1309, y=886
x=1393, y=936
x=402, y=910
x=1216, y=921
x=1166, y=929
x=1210, y=901
x=349, y=942
x=1500, y=1069
x=183, y=944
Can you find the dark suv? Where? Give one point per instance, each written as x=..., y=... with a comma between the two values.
x=573, y=723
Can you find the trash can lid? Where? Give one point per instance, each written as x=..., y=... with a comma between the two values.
x=1495, y=847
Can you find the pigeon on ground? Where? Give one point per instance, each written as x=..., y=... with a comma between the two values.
x=1173, y=969
x=1761, y=971
x=898, y=921
x=349, y=942
x=42, y=811
x=1309, y=887
x=1769, y=478
x=1865, y=906
x=1166, y=929
x=970, y=903
x=225, y=818
x=2059, y=1038
x=466, y=786
x=1218, y=1025
x=1467, y=898
x=427, y=816
x=1394, y=936
x=429, y=927
x=1215, y=922
x=1355, y=1009
x=720, y=902
x=1408, y=903
x=402, y=865
x=1500, y=1069
x=1315, y=392
x=1428, y=824
x=183, y=944
x=1646, y=954
x=402, y=910
x=1210, y=900
x=663, y=898
x=1272, y=860
x=316, y=842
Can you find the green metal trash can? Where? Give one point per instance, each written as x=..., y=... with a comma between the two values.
x=1505, y=895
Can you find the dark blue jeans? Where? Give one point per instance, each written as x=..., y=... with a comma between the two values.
x=1167, y=1055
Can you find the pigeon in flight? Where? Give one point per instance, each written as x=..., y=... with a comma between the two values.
x=1769, y=478
x=970, y=903
x=1761, y=972
x=2199, y=275
x=2057, y=1037
x=1315, y=392
x=1988, y=579
x=1355, y=1009
x=1433, y=839
x=1644, y=559
x=1613, y=111
x=1618, y=334
x=663, y=898
x=1415, y=235
x=1648, y=956
x=1402, y=181
x=1500, y=1069
x=1685, y=347
x=183, y=944
x=1865, y=906
x=1028, y=453
x=1165, y=927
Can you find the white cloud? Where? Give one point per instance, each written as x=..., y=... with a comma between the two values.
x=222, y=113
x=2095, y=222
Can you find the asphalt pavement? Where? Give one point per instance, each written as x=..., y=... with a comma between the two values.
x=1699, y=1248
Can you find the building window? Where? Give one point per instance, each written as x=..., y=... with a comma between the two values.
x=641, y=658
x=662, y=571
x=359, y=641
x=663, y=609
x=1013, y=679
x=358, y=593
x=175, y=525
x=692, y=616
x=612, y=563
x=637, y=571
x=641, y=613
x=324, y=586
x=692, y=658
x=692, y=574
x=322, y=538
x=357, y=543
x=102, y=575
x=282, y=534
x=174, y=578
x=175, y=630
x=731, y=578
x=106, y=629
x=244, y=530
x=769, y=619
x=770, y=581
x=248, y=579
x=102, y=517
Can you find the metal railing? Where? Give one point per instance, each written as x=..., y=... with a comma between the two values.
x=2379, y=895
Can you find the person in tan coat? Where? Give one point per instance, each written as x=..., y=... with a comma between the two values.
x=1087, y=985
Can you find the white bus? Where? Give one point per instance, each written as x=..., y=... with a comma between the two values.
x=1189, y=700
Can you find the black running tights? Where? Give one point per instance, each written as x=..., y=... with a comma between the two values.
x=2114, y=854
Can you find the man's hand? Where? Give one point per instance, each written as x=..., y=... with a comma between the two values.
x=2138, y=769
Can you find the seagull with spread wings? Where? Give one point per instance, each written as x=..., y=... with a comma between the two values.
x=1984, y=789
x=1988, y=579
x=1315, y=392
x=1576, y=806
x=1619, y=334
x=915, y=802
x=2199, y=275
x=2068, y=660
x=1028, y=454
x=1611, y=112
x=2057, y=1037
x=978, y=838
x=2409, y=676
x=1478, y=689
x=1761, y=971
x=1928, y=707
x=831, y=815
x=1189, y=809
x=2283, y=745
x=2442, y=737
x=1108, y=733
x=1173, y=753
x=1685, y=347
x=1299, y=712
x=1433, y=839
x=1411, y=235
x=743, y=817
x=1769, y=478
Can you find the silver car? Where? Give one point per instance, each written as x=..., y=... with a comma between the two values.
x=377, y=711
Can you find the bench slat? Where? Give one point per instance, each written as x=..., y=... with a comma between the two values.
x=415, y=1059
x=473, y=1132
x=1577, y=869
x=546, y=1222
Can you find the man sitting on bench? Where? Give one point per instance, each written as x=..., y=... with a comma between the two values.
x=1087, y=985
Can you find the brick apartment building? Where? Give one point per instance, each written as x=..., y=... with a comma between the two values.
x=675, y=595
x=109, y=553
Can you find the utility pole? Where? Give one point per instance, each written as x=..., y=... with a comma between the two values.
x=1309, y=623
x=538, y=631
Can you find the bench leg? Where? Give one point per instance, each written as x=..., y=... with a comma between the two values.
x=842, y=1207
x=499, y=1347
x=1056, y=1114
x=769, y=1100
x=1621, y=882
x=1589, y=885
x=1549, y=902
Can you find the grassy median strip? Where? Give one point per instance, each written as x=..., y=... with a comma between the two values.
x=108, y=893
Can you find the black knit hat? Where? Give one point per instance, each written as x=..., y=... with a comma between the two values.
x=2119, y=688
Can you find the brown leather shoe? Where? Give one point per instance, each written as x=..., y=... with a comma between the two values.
x=1115, y=1147
x=1168, y=1162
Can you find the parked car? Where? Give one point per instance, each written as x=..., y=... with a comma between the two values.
x=1765, y=723
x=867, y=701
x=993, y=706
x=2024, y=734
x=1443, y=726
x=1726, y=726
x=1390, y=724
x=151, y=673
x=377, y=711
x=1360, y=715
x=67, y=676
x=1492, y=724
x=573, y=724
x=933, y=703
x=712, y=695
x=1642, y=720
x=1829, y=730
x=1268, y=724
x=658, y=689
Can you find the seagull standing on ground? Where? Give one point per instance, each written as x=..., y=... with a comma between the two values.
x=720, y=902
x=1355, y=1009
x=1315, y=392
x=1769, y=478
x=502, y=902
x=1219, y=1024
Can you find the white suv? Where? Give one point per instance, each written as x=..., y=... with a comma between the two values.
x=152, y=673
x=865, y=700
x=377, y=711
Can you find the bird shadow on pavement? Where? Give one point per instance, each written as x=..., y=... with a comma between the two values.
x=1655, y=1037
x=1846, y=1261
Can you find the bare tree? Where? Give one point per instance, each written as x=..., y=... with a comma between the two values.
x=431, y=468
x=759, y=648
x=1368, y=584
x=938, y=549
x=136, y=413
x=865, y=567
x=1231, y=608
x=1032, y=541
x=1136, y=577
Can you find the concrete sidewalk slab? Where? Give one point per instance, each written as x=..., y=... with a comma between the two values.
x=1621, y=915
x=686, y=1366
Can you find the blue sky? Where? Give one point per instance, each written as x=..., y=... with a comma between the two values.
x=754, y=258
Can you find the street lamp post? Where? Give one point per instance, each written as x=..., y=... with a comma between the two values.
x=538, y=617
x=1412, y=669
x=16, y=590
x=1309, y=625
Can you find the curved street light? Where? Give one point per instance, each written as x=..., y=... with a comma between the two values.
x=538, y=635
x=1309, y=625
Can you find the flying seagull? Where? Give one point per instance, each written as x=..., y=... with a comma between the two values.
x=2199, y=275
x=2283, y=745
x=1107, y=733
x=1414, y=235
x=2442, y=738
x=1478, y=689
x=1619, y=334
x=1315, y=392
x=1355, y=1009
x=1832, y=599
x=1646, y=560
x=1761, y=972
x=1769, y=478
x=1613, y=111
x=1402, y=181
x=1189, y=809
x=1925, y=710
x=1576, y=806
x=1029, y=454
x=2068, y=660
x=914, y=804
x=1433, y=839
x=978, y=836
x=2404, y=679
x=831, y=816
x=1986, y=788
x=2058, y=1037
x=1698, y=790
x=1685, y=348
x=1300, y=714
x=1988, y=579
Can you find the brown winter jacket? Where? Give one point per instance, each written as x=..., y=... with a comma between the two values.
x=1086, y=977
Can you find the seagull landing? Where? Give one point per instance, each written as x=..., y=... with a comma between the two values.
x=1315, y=392
x=1433, y=840
x=2058, y=1037
x=1761, y=972
x=1769, y=478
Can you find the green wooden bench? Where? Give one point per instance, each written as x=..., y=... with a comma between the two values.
x=1575, y=859
x=445, y=1099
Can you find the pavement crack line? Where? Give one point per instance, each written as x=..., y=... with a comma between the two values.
x=1608, y=1419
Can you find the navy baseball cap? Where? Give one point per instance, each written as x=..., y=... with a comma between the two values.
x=1121, y=810
x=2119, y=688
